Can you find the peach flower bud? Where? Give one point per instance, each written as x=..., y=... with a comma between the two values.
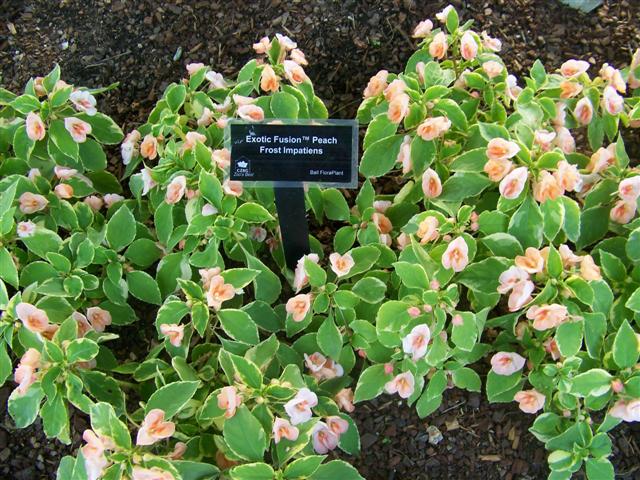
x=431, y=184
x=507, y=363
x=64, y=173
x=77, y=128
x=398, y=108
x=216, y=80
x=382, y=223
x=438, y=46
x=174, y=332
x=84, y=102
x=94, y=202
x=33, y=173
x=344, y=400
x=501, y=149
x=414, y=312
x=490, y=43
x=99, y=318
x=294, y=72
x=403, y=384
x=193, y=68
x=530, y=401
x=583, y=111
x=433, y=128
x=112, y=198
x=573, y=68
x=512, y=185
x=382, y=206
x=468, y=46
x=178, y=452
x=588, y=269
x=428, y=229
x=269, y=81
x=456, y=256
x=341, y=264
x=63, y=191
x=617, y=386
x=492, y=68
x=206, y=118
x=221, y=158
x=149, y=147
x=229, y=400
x=251, y=113
x=257, y=234
x=570, y=89
x=38, y=86
x=403, y=240
x=300, y=278
x=35, y=127
x=546, y=188
x=376, y=85
x=176, y=189
x=262, y=46
x=612, y=102
x=423, y=29
x=299, y=306
x=388, y=368
x=154, y=428
x=147, y=180
x=513, y=90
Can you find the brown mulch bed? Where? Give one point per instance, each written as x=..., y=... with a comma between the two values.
x=136, y=42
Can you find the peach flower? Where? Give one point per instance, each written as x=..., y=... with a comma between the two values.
x=341, y=264
x=404, y=155
x=507, y=363
x=520, y=295
x=423, y=29
x=323, y=438
x=564, y=140
x=468, y=46
x=251, y=113
x=262, y=46
x=531, y=262
x=629, y=189
x=612, y=102
x=77, y=128
x=95, y=460
x=376, y=84
x=283, y=429
x=431, y=184
x=99, y=318
x=573, y=68
x=497, y=169
x=570, y=89
x=219, y=292
x=382, y=223
x=623, y=212
x=546, y=188
x=344, y=400
x=395, y=88
x=433, y=128
x=84, y=102
x=438, y=46
x=322, y=368
x=501, y=149
x=232, y=187
x=111, y=199
x=63, y=191
x=269, y=81
x=547, y=316
x=299, y=306
x=154, y=428
x=588, y=269
x=154, y=473
x=32, y=202
x=403, y=384
x=492, y=68
x=294, y=72
x=583, y=111
x=456, y=256
x=544, y=139
x=298, y=56
x=299, y=407
x=229, y=400
x=530, y=401
x=428, y=229
x=513, y=184
x=300, y=278
x=415, y=344
x=33, y=318
x=35, y=127
x=627, y=411
x=174, y=332
x=490, y=43
x=510, y=278
x=567, y=176
x=149, y=147
x=398, y=108
x=26, y=229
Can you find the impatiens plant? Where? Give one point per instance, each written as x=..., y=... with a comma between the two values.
x=494, y=231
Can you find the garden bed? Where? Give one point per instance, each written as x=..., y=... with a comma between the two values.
x=145, y=46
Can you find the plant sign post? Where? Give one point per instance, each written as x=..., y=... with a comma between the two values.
x=286, y=155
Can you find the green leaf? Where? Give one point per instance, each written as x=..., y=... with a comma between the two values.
x=172, y=398
x=335, y=206
x=190, y=470
x=8, y=270
x=464, y=336
x=284, y=105
x=370, y=289
x=466, y=378
x=144, y=287
x=502, y=388
x=81, y=350
x=24, y=408
x=175, y=96
x=62, y=139
x=599, y=469
x=463, y=185
x=569, y=338
x=470, y=161
x=121, y=229
x=239, y=326
x=252, y=471
x=245, y=436
x=379, y=128
x=103, y=128
x=334, y=470
x=5, y=364
x=143, y=252
x=329, y=339
x=381, y=156
x=371, y=383
x=503, y=245
x=247, y=370
x=625, y=346
x=594, y=382
x=553, y=215
x=303, y=467
x=594, y=224
x=412, y=275
x=253, y=213
x=633, y=246
x=526, y=224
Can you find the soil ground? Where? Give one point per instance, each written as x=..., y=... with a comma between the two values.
x=145, y=44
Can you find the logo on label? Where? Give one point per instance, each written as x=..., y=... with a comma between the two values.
x=243, y=168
